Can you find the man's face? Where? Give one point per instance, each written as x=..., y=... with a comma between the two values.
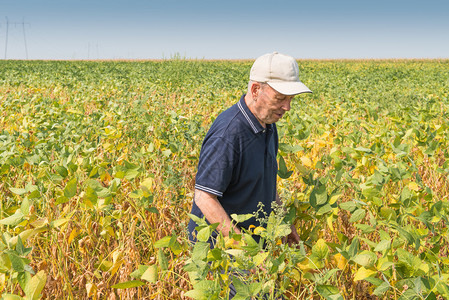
x=271, y=105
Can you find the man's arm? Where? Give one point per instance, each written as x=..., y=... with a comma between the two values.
x=293, y=237
x=214, y=211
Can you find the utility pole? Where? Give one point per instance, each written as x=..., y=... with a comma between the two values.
x=23, y=32
x=6, y=42
x=24, y=38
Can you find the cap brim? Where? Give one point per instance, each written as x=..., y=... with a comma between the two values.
x=289, y=88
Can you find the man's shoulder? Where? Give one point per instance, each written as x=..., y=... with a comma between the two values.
x=229, y=124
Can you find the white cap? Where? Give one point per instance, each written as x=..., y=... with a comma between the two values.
x=279, y=71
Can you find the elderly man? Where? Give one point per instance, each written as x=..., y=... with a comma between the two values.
x=237, y=167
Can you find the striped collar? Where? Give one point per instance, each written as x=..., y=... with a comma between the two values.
x=249, y=116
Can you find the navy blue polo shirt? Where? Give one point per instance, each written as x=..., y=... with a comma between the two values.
x=238, y=164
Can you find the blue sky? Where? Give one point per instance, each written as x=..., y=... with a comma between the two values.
x=154, y=29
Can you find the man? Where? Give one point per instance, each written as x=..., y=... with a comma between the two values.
x=237, y=167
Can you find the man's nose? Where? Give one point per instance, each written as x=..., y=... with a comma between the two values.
x=286, y=105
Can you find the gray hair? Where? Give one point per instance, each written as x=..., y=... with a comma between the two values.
x=251, y=82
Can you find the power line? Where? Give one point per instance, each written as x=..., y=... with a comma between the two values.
x=23, y=32
x=24, y=38
x=6, y=42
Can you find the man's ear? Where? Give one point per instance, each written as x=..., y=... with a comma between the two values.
x=255, y=90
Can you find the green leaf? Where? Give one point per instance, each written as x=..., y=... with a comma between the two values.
x=383, y=245
x=282, y=171
x=61, y=200
x=408, y=259
x=255, y=288
x=20, y=249
x=70, y=188
x=382, y=289
x=357, y=215
x=290, y=148
x=62, y=171
x=13, y=220
x=17, y=262
x=195, y=294
x=25, y=206
x=200, y=251
x=241, y=287
x=349, y=206
x=18, y=191
x=11, y=297
x=318, y=196
x=354, y=247
x=204, y=234
x=162, y=259
x=24, y=278
x=153, y=210
x=252, y=247
x=327, y=291
x=363, y=149
x=90, y=197
x=388, y=213
x=366, y=259
x=241, y=218
x=320, y=250
x=137, y=194
x=365, y=228
x=405, y=234
x=128, y=284
x=131, y=174
x=163, y=242
x=139, y=272
x=324, y=209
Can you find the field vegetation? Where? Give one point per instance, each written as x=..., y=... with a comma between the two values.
x=97, y=166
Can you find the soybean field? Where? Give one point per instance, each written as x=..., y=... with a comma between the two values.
x=97, y=172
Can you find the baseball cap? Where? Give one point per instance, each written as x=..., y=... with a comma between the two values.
x=279, y=71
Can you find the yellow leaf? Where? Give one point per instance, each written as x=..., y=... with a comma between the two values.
x=305, y=265
x=306, y=161
x=340, y=260
x=320, y=143
x=36, y=285
x=24, y=235
x=424, y=267
x=224, y=277
x=435, y=219
x=413, y=186
x=73, y=235
x=363, y=273
x=334, y=198
x=259, y=230
x=231, y=243
x=330, y=223
x=2, y=281
x=91, y=289
x=60, y=222
x=147, y=186
x=150, y=274
x=39, y=223
x=259, y=258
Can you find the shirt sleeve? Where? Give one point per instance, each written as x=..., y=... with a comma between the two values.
x=215, y=166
